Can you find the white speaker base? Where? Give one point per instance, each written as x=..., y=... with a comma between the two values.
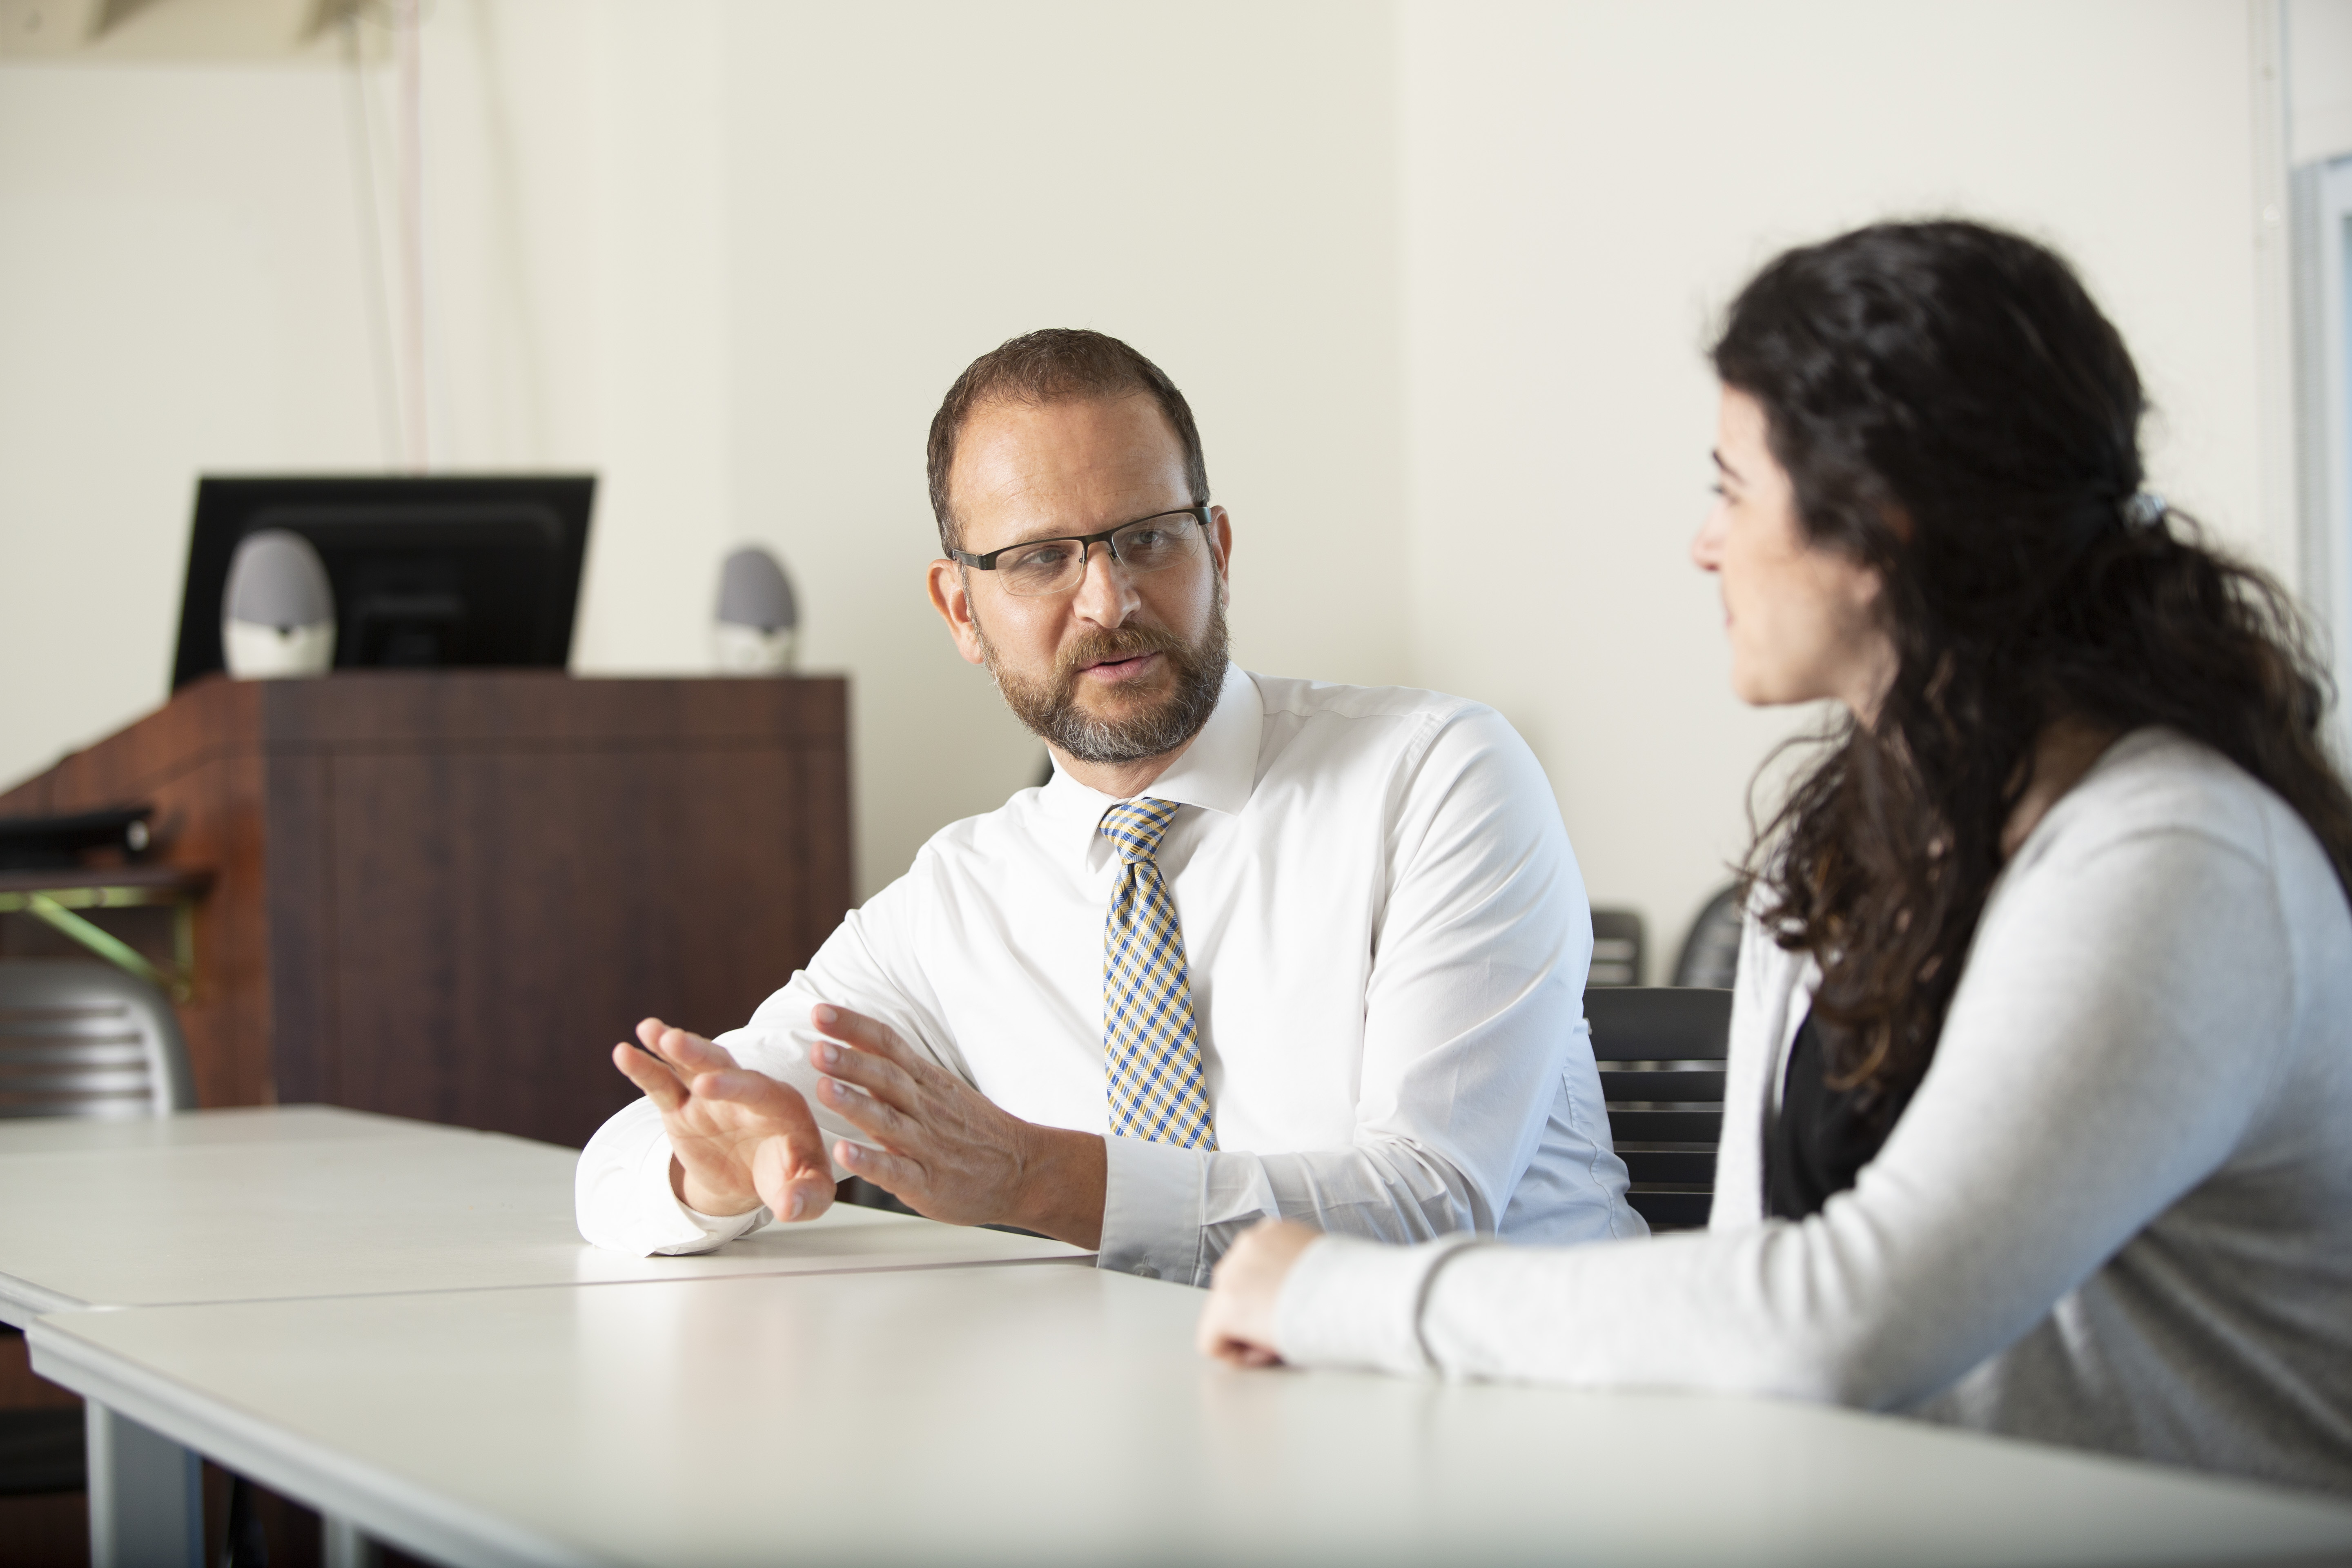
x=748, y=650
x=265, y=653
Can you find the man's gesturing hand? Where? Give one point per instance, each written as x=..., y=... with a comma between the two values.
x=740, y=1138
x=946, y=1149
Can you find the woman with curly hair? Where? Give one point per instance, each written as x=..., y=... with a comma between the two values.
x=2039, y=1107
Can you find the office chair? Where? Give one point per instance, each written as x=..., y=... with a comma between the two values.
x=87, y=1039
x=1660, y=1049
x=78, y=1038
x=1710, y=954
x=1616, y=947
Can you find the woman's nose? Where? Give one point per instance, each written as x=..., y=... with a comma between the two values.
x=1706, y=545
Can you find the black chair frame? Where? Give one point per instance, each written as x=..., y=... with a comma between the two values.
x=1660, y=1051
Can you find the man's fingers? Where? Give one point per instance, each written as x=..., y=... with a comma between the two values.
x=658, y=1083
x=792, y=1176
x=760, y=1094
x=692, y=1053
x=877, y=1074
x=893, y=1173
x=885, y=1122
x=863, y=1033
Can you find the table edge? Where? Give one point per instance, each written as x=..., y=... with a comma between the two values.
x=21, y=1301
x=385, y=1506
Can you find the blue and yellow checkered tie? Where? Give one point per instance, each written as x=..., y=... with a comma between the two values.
x=1157, y=1091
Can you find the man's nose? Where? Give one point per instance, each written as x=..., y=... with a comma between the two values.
x=1105, y=596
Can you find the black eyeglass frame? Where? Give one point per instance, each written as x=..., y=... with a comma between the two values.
x=1084, y=541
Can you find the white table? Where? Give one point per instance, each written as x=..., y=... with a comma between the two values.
x=1060, y=1415
x=307, y=1201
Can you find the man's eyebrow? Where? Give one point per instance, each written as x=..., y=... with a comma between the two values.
x=1038, y=539
x=1082, y=532
x=1723, y=468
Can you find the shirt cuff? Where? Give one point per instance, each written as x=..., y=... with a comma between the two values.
x=1357, y=1303
x=1153, y=1200
x=672, y=1227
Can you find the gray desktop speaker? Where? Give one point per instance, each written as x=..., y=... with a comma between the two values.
x=277, y=616
x=757, y=629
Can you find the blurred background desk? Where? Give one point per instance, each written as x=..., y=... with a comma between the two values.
x=444, y=895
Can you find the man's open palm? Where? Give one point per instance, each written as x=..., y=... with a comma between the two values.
x=741, y=1139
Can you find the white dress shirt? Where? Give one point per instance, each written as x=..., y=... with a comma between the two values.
x=1388, y=937
x=2117, y=1215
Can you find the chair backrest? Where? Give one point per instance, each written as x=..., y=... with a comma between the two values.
x=1660, y=1049
x=1616, y=947
x=87, y=1039
x=1710, y=954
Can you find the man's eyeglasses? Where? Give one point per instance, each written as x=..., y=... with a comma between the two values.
x=1038, y=568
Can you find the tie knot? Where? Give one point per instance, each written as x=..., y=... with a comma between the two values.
x=1136, y=827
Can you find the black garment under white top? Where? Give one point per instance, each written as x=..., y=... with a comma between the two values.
x=1820, y=1137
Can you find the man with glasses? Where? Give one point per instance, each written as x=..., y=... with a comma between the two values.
x=1259, y=948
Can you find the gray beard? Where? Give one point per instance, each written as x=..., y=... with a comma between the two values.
x=1051, y=712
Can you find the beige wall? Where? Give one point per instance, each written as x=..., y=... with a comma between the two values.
x=167, y=302
x=912, y=184
x=2318, y=41
x=1436, y=276
x=729, y=255
x=1585, y=187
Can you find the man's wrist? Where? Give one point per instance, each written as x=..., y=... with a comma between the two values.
x=716, y=1206
x=1065, y=1175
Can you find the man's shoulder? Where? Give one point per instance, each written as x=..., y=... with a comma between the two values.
x=1397, y=740
x=1322, y=699
x=1010, y=827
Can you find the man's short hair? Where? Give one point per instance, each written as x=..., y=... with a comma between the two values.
x=1058, y=364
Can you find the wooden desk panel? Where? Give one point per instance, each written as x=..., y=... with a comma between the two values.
x=445, y=895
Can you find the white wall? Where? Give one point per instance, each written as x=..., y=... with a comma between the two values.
x=729, y=255
x=1436, y=276
x=913, y=184
x=2319, y=80
x=187, y=290
x=1586, y=185
x=171, y=300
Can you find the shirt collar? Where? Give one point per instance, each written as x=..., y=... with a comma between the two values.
x=1217, y=770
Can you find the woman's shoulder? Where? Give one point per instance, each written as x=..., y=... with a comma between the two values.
x=2157, y=781
x=2159, y=793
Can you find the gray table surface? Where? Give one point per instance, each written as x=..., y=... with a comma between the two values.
x=228, y=1205
x=1049, y=1414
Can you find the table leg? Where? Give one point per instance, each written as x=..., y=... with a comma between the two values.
x=146, y=1496
x=346, y=1547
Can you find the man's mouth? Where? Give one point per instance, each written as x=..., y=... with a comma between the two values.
x=1119, y=669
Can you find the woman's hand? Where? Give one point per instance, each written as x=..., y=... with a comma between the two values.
x=1237, y=1325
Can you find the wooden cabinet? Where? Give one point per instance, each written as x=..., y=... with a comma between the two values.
x=446, y=895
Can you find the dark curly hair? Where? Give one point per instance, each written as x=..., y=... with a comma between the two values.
x=1954, y=411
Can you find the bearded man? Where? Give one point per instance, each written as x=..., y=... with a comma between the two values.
x=1261, y=948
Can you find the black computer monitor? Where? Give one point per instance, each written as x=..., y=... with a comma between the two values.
x=444, y=571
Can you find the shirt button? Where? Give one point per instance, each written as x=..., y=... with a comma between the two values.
x=1145, y=1271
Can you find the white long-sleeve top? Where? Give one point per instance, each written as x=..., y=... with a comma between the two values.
x=2117, y=1214
x=1387, y=936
